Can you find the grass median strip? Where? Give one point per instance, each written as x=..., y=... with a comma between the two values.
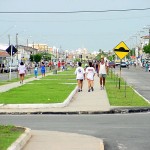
x=125, y=96
x=50, y=89
x=8, y=135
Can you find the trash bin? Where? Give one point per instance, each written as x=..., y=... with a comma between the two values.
x=54, y=71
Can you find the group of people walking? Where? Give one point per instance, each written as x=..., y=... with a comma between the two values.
x=22, y=71
x=89, y=73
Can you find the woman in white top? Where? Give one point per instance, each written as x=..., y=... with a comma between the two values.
x=102, y=72
x=21, y=71
x=90, y=73
x=80, y=76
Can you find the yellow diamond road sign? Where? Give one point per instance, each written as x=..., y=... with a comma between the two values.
x=121, y=50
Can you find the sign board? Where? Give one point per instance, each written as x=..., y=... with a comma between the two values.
x=11, y=47
x=121, y=50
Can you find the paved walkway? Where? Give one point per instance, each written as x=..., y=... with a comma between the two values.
x=52, y=140
x=81, y=101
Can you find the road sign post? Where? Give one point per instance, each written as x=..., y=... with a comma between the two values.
x=121, y=50
x=11, y=50
x=10, y=63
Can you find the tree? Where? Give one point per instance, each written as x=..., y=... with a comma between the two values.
x=146, y=49
x=37, y=58
x=46, y=56
x=31, y=58
x=112, y=57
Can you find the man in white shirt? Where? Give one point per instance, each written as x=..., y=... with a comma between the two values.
x=102, y=72
x=80, y=76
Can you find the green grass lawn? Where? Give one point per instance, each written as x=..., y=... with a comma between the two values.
x=8, y=135
x=125, y=96
x=50, y=89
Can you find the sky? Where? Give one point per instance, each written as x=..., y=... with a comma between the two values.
x=71, y=31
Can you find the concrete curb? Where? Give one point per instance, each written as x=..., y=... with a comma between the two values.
x=102, y=147
x=36, y=106
x=21, y=141
x=115, y=110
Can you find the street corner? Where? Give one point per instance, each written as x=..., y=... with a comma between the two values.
x=22, y=140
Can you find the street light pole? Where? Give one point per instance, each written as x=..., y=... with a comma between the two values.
x=149, y=35
x=9, y=39
x=27, y=42
x=17, y=50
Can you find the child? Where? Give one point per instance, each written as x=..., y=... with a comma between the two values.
x=36, y=71
x=43, y=69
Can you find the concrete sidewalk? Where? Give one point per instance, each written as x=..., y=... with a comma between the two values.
x=52, y=140
x=84, y=101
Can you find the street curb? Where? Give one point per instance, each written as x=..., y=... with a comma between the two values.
x=102, y=146
x=116, y=110
x=130, y=109
x=21, y=141
x=36, y=106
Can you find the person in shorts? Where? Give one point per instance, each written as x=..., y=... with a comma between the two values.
x=102, y=72
x=80, y=76
x=21, y=71
x=43, y=69
x=35, y=71
x=90, y=73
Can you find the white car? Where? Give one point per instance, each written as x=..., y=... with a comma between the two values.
x=123, y=64
x=13, y=68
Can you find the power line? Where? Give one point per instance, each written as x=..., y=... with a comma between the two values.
x=72, y=12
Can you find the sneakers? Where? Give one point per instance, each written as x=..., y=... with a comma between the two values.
x=89, y=90
x=79, y=90
x=102, y=87
x=92, y=88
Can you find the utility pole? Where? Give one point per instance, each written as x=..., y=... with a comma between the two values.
x=17, y=50
x=27, y=42
x=9, y=39
x=149, y=35
x=17, y=44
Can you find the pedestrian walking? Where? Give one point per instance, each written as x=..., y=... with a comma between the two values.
x=90, y=73
x=35, y=71
x=21, y=71
x=102, y=72
x=59, y=65
x=43, y=69
x=146, y=66
x=80, y=76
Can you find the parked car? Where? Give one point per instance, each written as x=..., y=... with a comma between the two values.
x=13, y=68
x=117, y=62
x=111, y=64
x=123, y=64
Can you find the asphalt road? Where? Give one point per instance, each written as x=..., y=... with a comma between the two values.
x=138, y=79
x=120, y=131
x=5, y=76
